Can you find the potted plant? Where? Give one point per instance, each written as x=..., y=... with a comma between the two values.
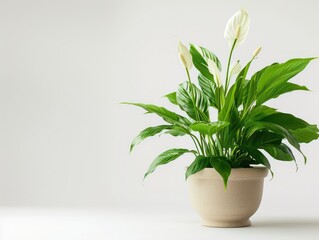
x=233, y=144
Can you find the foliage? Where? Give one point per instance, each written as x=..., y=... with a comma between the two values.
x=245, y=131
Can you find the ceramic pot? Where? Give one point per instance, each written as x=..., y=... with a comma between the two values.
x=231, y=207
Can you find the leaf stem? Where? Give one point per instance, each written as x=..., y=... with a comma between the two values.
x=193, y=94
x=198, y=145
x=219, y=145
x=202, y=141
x=228, y=65
x=195, y=144
x=212, y=143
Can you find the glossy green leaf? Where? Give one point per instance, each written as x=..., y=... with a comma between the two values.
x=177, y=131
x=229, y=113
x=171, y=97
x=285, y=120
x=277, y=91
x=193, y=101
x=240, y=82
x=250, y=90
x=277, y=74
x=243, y=73
x=208, y=128
x=307, y=134
x=197, y=165
x=280, y=152
x=229, y=104
x=207, y=54
x=222, y=166
x=167, y=115
x=264, y=138
x=148, y=132
x=200, y=62
x=260, y=112
x=254, y=126
x=166, y=157
x=220, y=97
x=208, y=87
x=231, y=132
x=259, y=157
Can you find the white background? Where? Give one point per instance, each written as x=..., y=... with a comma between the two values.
x=66, y=65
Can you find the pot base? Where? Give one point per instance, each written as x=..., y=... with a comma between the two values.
x=226, y=224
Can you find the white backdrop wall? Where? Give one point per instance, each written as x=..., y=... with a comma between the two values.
x=66, y=66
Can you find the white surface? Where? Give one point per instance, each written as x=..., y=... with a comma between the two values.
x=140, y=224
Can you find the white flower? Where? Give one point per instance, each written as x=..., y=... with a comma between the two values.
x=256, y=52
x=235, y=68
x=237, y=27
x=213, y=69
x=184, y=55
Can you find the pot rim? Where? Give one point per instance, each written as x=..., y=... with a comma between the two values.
x=236, y=173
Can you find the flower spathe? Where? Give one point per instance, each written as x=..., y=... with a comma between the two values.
x=237, y=28
x=235, y=68
x=213, y=69
x=256, y=52
x=184, y=55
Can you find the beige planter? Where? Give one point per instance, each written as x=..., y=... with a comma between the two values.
x=231, y=207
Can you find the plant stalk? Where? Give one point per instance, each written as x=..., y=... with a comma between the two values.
x=228, y=65
x=196, y=113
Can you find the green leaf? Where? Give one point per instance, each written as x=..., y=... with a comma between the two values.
x=254, y=126
x=243, y=73
x=232, y=132
x=241, y=77
x=166, y=157
x=259, y=157
x=172, y=97
x=285, y=120
x=208, y=87
x=277, y=91
x=264, y=138
x=174, y=133
x=229, y=103
x=229, y=113
x=307, y=134
x=222, y=166
x=148, y=132
x=200, y=62
x=220, y=97
x=260, y=112
x=193, y=101
x=197, y=165
x=177, y=131
x=280, y=152
x=208, y=128
x=167, y=115
x=250, y=90
x=210, y=55
x=277, y=74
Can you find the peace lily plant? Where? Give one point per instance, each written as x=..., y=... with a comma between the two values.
x=245, y=132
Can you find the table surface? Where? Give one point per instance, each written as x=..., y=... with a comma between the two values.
x=130, y=224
